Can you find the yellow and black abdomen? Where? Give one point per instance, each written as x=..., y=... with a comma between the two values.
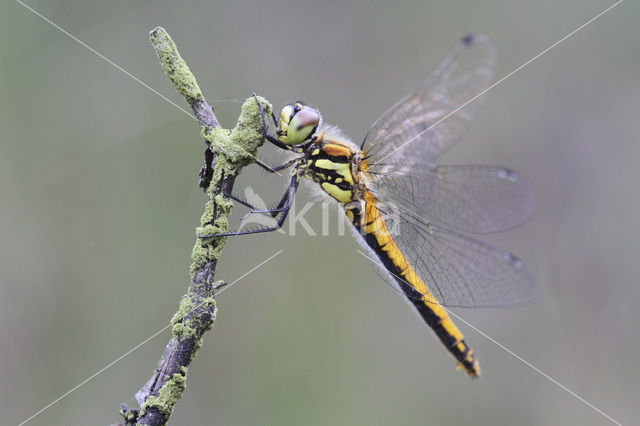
x=373, y=228
x=331, y=165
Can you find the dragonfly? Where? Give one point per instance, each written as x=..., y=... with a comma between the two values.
x=415, y=217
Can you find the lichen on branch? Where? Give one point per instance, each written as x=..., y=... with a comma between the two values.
x=230, y=151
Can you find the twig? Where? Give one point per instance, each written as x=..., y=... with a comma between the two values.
x=228, y=151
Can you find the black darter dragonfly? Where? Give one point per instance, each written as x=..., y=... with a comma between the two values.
x=412, y=215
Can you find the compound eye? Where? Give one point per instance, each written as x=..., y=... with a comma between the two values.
x=283, y=123
x=302, y=125
x=285, y=115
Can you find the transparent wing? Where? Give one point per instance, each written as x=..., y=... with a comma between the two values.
x=402, y=148
x=428, y=121
x=459, y=270
x=478, y=199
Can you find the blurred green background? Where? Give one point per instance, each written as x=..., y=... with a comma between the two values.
x=99, y=205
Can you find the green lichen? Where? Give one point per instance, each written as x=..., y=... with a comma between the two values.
x=182, y=328
x=130, y=416
x=233, y=149
x=185, y=324
x=239, y=146
x=168, y=395
x=173, y=65
x=246, y=134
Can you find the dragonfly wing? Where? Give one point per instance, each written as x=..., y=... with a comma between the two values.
x=477, y=199
x=428, y=121
x=459, y=270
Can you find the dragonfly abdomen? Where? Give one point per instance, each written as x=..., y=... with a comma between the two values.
x=335, y=164
x=373, y=228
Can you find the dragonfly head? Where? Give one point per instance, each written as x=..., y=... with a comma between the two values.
x=298, y=123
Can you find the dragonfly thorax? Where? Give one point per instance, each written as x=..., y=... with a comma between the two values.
x=337, y=165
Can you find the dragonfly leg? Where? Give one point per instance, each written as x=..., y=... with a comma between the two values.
x=267, y=136
x=241, y=201
x=272, y=212
x=274, y=169
x=283, y=206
